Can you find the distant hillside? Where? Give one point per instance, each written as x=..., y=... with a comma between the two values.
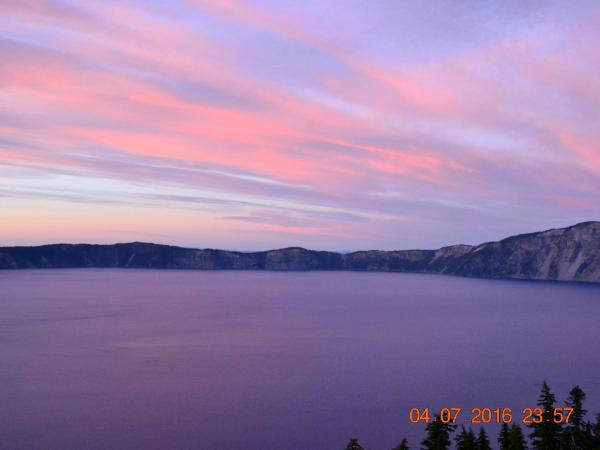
x=569, y=254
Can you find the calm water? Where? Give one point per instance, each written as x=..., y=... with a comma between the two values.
x=123, y=359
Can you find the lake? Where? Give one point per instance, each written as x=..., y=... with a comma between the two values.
x=225, y=360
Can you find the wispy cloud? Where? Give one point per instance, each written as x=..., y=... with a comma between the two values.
x=324, y=130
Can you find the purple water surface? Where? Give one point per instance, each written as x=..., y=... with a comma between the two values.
x=127, y=359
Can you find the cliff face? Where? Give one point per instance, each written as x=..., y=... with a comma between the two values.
x=571, y=254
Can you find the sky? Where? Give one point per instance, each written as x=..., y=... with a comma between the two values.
x=328, y=124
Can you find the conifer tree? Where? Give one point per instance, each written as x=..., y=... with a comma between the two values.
x=576, y=434
x=575, y=401
x=482, y=442
x=437, y=435
x=403, y=445
x=595, y=434
x=465, y=440
x=504, y=437
x=516, y=438
x=354, y=445
x=546, y=435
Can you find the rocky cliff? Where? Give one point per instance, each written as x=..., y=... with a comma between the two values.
x=570, y=254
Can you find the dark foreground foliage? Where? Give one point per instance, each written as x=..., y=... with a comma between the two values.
x=578, y=434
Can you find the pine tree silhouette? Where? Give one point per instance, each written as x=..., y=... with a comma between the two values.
x=595, y=434
x=504, y=437
x=437, y=435
x=465, y=440
x=546, y=435
x=577, y=433
x=516, y=438
x=482, y=442
x=354, y=445
x=403, y=445
x=575, y=401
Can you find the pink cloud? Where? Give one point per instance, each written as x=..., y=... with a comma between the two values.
x=88, y=88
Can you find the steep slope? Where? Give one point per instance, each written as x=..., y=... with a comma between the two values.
x=571, y=254
x=562, y=254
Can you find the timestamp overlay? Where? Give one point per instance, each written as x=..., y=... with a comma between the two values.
x=486, y=416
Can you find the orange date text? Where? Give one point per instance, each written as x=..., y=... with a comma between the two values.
x=527, y=416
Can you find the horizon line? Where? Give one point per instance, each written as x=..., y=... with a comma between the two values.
x=588, y=222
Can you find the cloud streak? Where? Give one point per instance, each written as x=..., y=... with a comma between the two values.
x=268, y=115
